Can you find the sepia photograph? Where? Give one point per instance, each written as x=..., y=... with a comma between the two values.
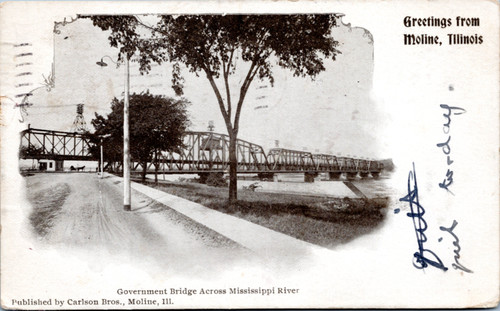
x=265, y=155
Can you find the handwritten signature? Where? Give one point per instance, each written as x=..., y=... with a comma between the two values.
x=423, y=257
x=445, y=146
x=457, y=265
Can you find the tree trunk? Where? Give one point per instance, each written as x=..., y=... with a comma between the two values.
x=233, y=166
x=144, y=170
x=156, y=166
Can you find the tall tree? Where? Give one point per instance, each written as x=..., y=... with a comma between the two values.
x=214, y=44
x=157, y=124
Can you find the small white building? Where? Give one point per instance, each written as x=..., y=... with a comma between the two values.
x=50, y=165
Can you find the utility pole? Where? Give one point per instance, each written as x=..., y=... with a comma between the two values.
x=126, y=140
x=102, y=161
x=126, y=136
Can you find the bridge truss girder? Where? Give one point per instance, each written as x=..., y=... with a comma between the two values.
x=202, y=152
x=208, y=151
x=56, y=145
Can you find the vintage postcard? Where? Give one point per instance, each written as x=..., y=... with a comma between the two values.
x=258, y=154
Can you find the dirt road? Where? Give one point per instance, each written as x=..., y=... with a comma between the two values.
x=79, y=211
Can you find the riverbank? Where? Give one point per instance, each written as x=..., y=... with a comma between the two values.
x=323, y=221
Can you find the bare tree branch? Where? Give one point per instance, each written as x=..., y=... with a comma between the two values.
x=230, y=60
x=225, y=74
x=140, y=22
x=220, y=101
x=243, y=91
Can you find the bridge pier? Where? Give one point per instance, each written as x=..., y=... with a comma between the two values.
x=375, y=174
x=352, y=175
x=364, y=174
x=203, y=177
x=334, y=175
x=309, y=176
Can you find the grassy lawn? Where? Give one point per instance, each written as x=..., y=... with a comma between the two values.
x=323, y=221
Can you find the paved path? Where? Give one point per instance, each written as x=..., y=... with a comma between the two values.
x=263, y=241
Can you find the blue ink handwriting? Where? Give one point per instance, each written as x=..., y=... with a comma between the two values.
x=445, y=146
x=457, y=265
x=423, y=257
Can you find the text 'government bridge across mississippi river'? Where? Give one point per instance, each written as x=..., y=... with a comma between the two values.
x=203, y=153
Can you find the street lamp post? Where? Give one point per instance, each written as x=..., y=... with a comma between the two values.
x=102, y=162
x=126, y=138
x=126, y=141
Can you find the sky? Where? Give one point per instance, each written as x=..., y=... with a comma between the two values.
x=333, y=113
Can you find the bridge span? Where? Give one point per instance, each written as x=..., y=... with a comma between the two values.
x=203, y=153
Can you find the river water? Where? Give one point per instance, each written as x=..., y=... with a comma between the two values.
x=294, y=183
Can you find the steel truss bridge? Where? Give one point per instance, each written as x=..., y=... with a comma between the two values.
x=54, y=145
x=203, y=153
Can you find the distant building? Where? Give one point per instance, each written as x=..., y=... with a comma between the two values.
x=50, y=165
